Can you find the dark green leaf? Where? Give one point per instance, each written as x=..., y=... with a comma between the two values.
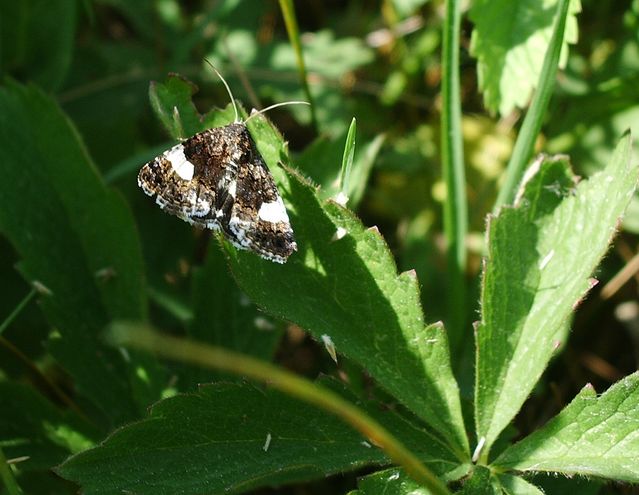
x=395, y=482
x=171, y=102
x=225, y=316
x=226, y=438
x=389, y=482
x=77, y=239
x=480, y=482
x=36, y=40
x=509, y=41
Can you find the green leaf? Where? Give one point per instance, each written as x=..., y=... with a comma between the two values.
x=389, y=482
x=171, y=102
x=32, y=427
x=612, y=108
x=551, y=484
x=36, y=482
x=541, y=255
x=431, y=451
x=509, y=41
x=326, y=58
x=593, y=436
x=481, y=483
x=321, y=162
x=224, y=315
x=36, y=40
x=405, y=8
x=514, y=485
x=324, y=55
x=224, y=438
x=343, y=283
x=173, y=105
x=395, y=482
x=78, y=240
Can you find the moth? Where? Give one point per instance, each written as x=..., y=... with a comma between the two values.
x=218, y=180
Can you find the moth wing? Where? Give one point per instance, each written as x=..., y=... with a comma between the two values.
x=171, y=179
x=258, y=220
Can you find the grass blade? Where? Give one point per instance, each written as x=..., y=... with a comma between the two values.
x=6, y=475
x=534, y=118
x=347, y=161
x=18, y=309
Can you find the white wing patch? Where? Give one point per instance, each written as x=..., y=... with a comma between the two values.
x=232, y=189
x=273, y=212
x=179, y=162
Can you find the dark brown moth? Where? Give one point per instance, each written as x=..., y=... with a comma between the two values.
x=218, y=180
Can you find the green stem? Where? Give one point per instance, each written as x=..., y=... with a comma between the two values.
x=301, y=388
x=7, y=477
x=534, y=117
x=18, y=309
x=288, y=12
x=455, y=208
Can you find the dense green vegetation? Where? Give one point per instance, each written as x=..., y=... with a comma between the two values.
x=454, y=320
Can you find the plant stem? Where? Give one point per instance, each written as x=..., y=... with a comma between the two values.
x=217, y=358
x=531, y=126
x=18, y=309
x=455, y=207
x=288, y=12
x=7, y=477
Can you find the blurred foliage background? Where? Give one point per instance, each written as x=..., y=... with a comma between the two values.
x=377, y=61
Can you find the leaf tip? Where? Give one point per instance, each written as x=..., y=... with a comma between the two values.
x=556, y=344
x=41, y=289
x=329, y=346
x=339, y=234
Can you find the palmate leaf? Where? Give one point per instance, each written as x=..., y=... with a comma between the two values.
x=343, y=283
x=541, y=254
x=76, y=238
x=592, y=436
x=509, y=41
x=228, y=438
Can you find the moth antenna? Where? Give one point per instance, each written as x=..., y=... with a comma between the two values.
x=275, y=106
x=228, y=90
